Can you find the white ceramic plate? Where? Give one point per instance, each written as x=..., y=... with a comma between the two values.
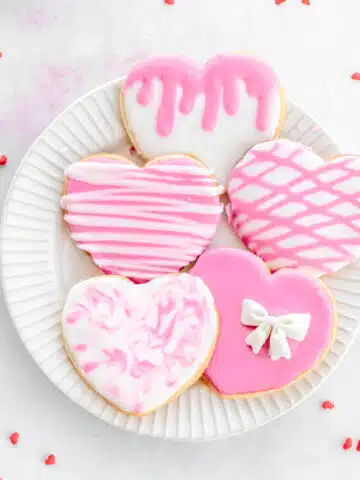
x=40, y=263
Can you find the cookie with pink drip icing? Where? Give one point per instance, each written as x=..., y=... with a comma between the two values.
x=294, y=209
x=140, y=346
x=215, y=112
x=274, y=328
x=141, y=222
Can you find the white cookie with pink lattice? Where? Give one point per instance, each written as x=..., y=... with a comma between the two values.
x=293, y=209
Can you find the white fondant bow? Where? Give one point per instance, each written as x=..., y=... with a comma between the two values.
x=279, y=329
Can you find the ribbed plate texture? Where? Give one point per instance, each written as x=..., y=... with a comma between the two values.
x=40, y=263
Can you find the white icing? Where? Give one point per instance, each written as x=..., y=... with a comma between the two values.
x=311, y=220
x=281, y=176
x=289, y=209
x=251, y=193
x=320, y=198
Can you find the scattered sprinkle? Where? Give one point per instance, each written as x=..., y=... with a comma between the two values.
x=327, y=405
x=304, y=2
x=1, y=54
x=348, y=443
x=169, y=2
x=355, y=76
x=14, y=438
x=132, y=150
x=358, y=446
x=50, y=460
x=3, y=160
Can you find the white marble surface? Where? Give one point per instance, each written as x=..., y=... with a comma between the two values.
x=55, y=51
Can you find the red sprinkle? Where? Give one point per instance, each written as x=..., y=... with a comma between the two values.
x=169, y=2
x=355, y=76
x=132, y=150
x=0, y=57
x=3, y=160
x=304, y=2
x=358, y=446
x=328, y=405
x=14, y=438
x=50, y=460
x=348, y=444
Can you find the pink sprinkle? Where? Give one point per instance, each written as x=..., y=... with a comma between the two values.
x=355, y=76
x=3, y=160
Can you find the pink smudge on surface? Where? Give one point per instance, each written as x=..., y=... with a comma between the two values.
x=35, y=16
x=32, y=109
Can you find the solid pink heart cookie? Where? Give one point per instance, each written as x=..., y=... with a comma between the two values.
x=273, y=328
x=215, y=112
x=293, y=209
x=139, y=346
x=141, y=222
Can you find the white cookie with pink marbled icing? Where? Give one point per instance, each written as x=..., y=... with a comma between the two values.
x=139, y=346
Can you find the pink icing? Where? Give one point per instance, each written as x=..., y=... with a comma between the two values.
x=321, y=229
x=141, y=222
x=157, y=336
x=234, y=275
x=217, y=81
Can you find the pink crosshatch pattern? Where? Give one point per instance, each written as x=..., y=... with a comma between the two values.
x=310, y=218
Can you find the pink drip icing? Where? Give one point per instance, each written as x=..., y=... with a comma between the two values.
x=172, y=74
x=217, y=82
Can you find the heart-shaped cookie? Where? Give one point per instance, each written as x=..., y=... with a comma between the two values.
x=273, y=328
x=215, y=112
x=141, y=222
x=293, y=209
x=139, y=346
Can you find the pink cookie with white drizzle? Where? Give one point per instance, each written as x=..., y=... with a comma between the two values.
x=273, y=328
x=141, y=222
x=139, y=346
x=215, y=112
x=294, y=209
